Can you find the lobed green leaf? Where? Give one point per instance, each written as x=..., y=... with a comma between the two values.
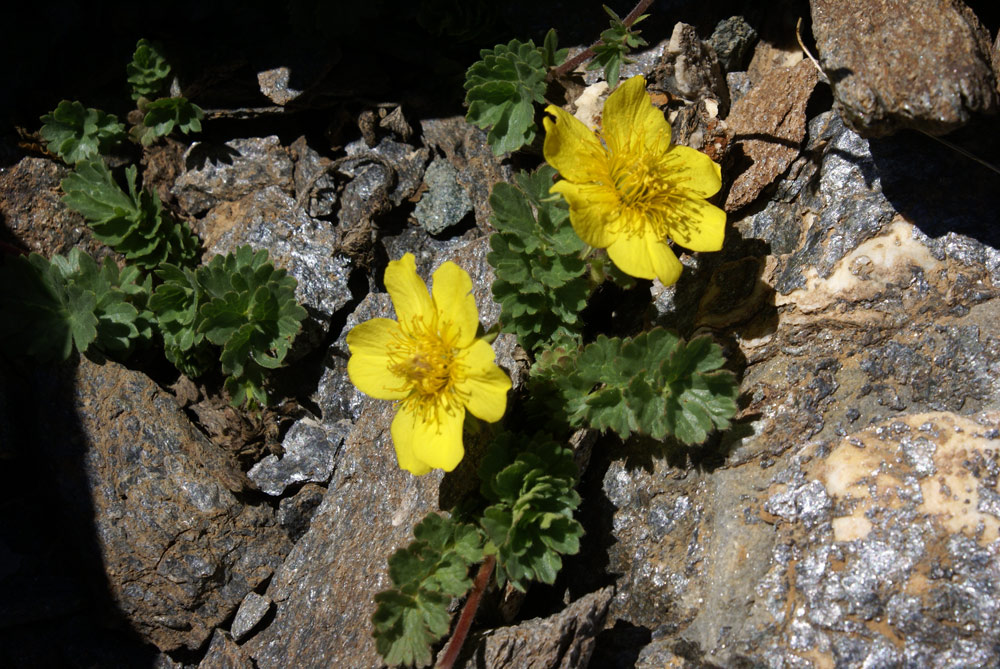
x=148, y=72
x=75, y=133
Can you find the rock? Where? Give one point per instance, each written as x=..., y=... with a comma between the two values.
x=296, y=512
x=179, y=549
x=224, y=653
x=881, y=83
x=310, y=454
x=768, y=124
x=315, y=186
x=32, y=210
x=251, y=612
x=274, y=85
x=690, y=70
x=226, y=173
x=564, y=640
x=893, y=533
x=304, y=246
x=444, y=203
x=465, y=147
x=733, y=40
x=323, y=592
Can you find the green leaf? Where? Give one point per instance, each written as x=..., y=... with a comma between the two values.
x=501, y=90
x=551, y=56
x=413, y=614
x=616, y=42
x=541, y=281
x=530, y=482
x=74, y=133
x=52, y=307
x=148, y=72
x=166, y=114
x=654, y=384
x=134, y=224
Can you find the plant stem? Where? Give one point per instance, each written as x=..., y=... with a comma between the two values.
x=468, y=613
x=588, y=53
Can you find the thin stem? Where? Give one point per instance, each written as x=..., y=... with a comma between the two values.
x=468, y=613
x=588, y=53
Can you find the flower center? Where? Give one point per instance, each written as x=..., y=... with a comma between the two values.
x=426, y=358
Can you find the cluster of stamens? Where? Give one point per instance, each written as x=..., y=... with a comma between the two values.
x=425, y=357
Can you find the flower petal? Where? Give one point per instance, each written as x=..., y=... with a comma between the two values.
x=402, y=440
x=454, y=302
x=368, y=366
x=694, y=171
x=484, y=384
x=591, y=209
x=646, y=257
x=408, y=292
x=428, y=444
x=629, y=115
x=704, y=229
x=572, y=148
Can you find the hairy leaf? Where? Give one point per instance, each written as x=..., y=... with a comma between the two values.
x=653, y=384
x=530, y=482
x=616, y=42
x=413, y=614
x=165, y=114
x=75, y=133
x=541, y=281
x=148, y=72
x=134, y=224
x=501, y=89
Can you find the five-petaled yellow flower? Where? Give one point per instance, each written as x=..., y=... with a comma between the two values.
x=430, y=362
x=629, y=190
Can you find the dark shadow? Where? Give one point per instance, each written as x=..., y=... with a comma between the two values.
x=618, y=647
x=203, y=153
x=937, y=187
x=56, y=609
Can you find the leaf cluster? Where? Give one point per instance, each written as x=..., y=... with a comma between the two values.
x=413, y=614
x=135, y=223
x=148, y=72
x=616, y=42
x=52, y=307
x=75, y=133
x=238, y=302
x=530, y=522
x=165, y=114
x=654, y=384
x=541, y=281
x=501, y=89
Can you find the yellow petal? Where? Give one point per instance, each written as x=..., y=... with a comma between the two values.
x=704, y=226
x=694, y=171
x=408, y=292
x=646, y=257
x=454, y=302
x=402, y=431
x=629, y=116
x=592, y=210
x=368, y=366
x=572, y=148
x=484, y=384
x=428, y=444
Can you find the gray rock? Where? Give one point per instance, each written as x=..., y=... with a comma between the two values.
x=296, y=512
x=690, y=69
x=252, y=610
x=565, y=640
x=733, y=40
x=445, y=202
x=882, y=83
x=310, y=450
x=224, y=653
x=304, y=246
x=179, y=549
x=274, y=85
x=229, y=172
x=315, y=185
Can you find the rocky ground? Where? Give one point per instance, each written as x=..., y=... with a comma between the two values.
x=851, y=516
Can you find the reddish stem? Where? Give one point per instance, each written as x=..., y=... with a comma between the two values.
x=588, y=53
x=468, y=613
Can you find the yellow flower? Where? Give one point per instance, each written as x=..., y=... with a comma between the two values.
x=430, y=362
x=629, y=190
